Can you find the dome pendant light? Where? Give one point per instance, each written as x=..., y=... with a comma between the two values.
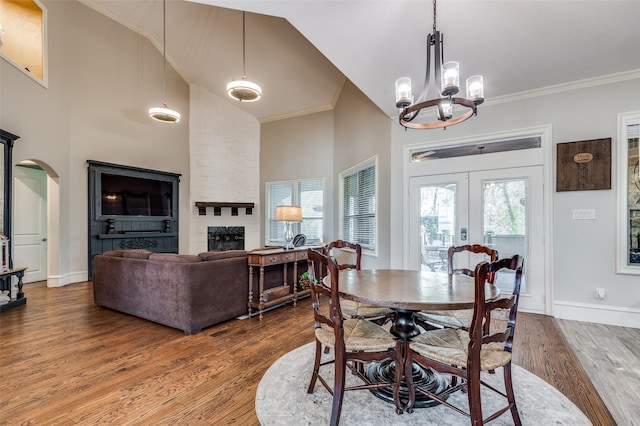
x=244, y=90
x=163, y=113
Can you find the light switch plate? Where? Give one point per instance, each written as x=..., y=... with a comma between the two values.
x=584, y=214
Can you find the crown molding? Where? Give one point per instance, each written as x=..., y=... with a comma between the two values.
x=557, y=88
x=565, y=87
x=294, y=114
x=320, y=108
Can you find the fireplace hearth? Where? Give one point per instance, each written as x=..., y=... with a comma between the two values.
x=223, y=238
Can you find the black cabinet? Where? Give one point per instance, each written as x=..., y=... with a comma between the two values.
x=132, y=208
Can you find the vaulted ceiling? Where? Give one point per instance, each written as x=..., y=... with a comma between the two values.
x=301, y=51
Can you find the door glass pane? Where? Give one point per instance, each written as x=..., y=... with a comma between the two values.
x=504, y=222
x=437, y=224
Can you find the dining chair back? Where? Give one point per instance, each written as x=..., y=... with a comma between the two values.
x=472, y=248
x=349, y=256
x=464, y=354
x=354, y=341
x=461, y=318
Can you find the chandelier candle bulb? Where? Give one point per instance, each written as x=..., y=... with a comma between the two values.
x=447, y=110
x=475, y=89
x=450, y=78
x=404, y=98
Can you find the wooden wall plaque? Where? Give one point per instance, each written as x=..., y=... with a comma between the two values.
x=583, y=165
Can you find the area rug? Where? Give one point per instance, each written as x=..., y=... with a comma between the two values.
x=282, y=399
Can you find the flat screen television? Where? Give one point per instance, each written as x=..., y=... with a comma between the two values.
x=135, y=196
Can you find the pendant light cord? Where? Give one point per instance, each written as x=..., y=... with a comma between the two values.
x=164, y=52
x=434, y=16
x=244, y=61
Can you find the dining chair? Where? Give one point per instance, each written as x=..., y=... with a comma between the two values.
x=461, y=318
x=348, y=255
x=354, y=341
x=465, y=353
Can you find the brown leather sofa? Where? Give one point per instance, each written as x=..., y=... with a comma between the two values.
x=186, y=292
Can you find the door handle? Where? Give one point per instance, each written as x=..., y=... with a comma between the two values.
x=463, y=234
x=44, y=239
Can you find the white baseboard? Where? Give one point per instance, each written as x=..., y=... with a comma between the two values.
x=66, y=279
x=600, y=314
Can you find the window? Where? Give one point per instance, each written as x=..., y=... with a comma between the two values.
x=23, y=37
x=628, y=250
x=308, y=194
x=358, y=205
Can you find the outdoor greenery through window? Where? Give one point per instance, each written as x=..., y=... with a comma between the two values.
x=504, y=208
x=309, y=195
x=358, y=205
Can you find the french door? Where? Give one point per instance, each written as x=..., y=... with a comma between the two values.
x=502, y=209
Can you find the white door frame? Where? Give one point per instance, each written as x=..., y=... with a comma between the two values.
x=533, y=157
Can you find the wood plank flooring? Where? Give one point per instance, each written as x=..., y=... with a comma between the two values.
x=65, y=361
x=611, y=357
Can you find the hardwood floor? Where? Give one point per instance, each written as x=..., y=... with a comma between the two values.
x=611, y=357
x=65, y=361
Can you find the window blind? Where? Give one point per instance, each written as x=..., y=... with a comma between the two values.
x=309, y=195
x=359, y=207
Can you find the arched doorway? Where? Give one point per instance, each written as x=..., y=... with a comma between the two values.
x=36, y=221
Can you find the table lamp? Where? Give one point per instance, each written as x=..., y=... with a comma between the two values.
x=288, y=214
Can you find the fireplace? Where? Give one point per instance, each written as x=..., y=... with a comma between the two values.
x=223, y=238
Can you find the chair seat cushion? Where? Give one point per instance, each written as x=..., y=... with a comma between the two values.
x=359, y=335
x=450, y=346
x=360, y=310
x=451, y=319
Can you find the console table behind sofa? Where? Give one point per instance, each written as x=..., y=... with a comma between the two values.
x=270, y=290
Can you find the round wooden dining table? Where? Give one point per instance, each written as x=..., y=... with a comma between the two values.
x=407, y=292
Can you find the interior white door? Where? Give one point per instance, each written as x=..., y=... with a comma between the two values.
x=30, y=222
x=500, y=208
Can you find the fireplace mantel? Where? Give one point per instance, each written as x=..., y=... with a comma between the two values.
x=217, y=207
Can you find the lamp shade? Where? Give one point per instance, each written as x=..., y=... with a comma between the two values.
x=288, y=214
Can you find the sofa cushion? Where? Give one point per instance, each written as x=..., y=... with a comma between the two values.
x=175, y=258
x=216, y=255
x=131, y=254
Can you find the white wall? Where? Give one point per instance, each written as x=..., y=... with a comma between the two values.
x=225, y=167
x=583, y=251
x=103, y=78
x=362, y=131
x=299, y=148
x=324, y=144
